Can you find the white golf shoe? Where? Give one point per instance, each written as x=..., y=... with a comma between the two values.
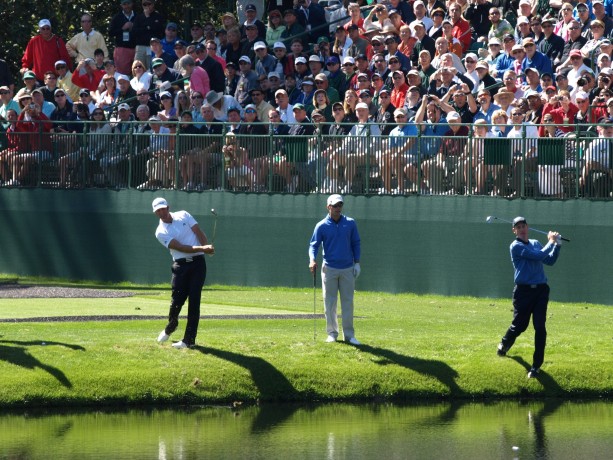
x=330, y=339
x=353, y=341
x=163, y=337
x=179, y=345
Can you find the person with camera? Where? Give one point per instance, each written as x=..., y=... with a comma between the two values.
x=446, y=77
x=562, y=111
x=462, y=102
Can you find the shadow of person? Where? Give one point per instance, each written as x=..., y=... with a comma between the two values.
x=272, y=385
x=439, y=370
x=19, y=355
x=550, y=386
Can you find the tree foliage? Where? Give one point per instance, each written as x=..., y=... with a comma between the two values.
x=19, y=19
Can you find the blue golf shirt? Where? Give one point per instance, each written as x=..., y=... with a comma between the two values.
x=341, y=242
x=528, y=259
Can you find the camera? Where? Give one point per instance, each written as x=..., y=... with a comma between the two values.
x=582, y=81
x=605, y=79
x=429, y=98
x=32, y=106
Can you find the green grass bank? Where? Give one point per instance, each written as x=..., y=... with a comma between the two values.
x=415, y=347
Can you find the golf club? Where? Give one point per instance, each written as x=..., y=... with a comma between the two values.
x=214, y=226
x=491, y=219
x=214, y=230
x=314, y=304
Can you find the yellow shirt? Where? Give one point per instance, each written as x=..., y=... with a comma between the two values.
x=82, y=46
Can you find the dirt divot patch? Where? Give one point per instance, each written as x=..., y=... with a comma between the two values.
x=22, y=291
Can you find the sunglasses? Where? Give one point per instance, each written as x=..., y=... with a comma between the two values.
x=339, y=205
x=3, y=92
x=138, y=66
x=60, y=95
x=250, y=111
x=339, y=109
x=400, y=116
x=97, y=113
x=197, y=97
x=142, y=94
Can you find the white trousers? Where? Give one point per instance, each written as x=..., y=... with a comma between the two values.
x=335, y=281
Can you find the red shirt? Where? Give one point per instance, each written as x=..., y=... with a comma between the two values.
x=41, y=55
x=459, y=31
x=86, y=81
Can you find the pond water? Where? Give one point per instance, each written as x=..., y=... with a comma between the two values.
x=498, y=430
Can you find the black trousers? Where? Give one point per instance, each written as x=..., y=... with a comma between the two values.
x=529, y=300
x=187, y=281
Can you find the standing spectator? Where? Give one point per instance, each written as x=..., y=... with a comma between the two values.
x=157, y=51
x=500, y=27
x=477, y=13
x=313, y=17
x=170, y=38
x=197, y=76
x=531, y=292
x=180, y=233
x=252, y=19
x=341, y=266
x=551, y=45
x=83, y=44
x=461, y=27
x=43, y=51
x=164, y=77
x=424, y=42
x=213, y=68
x=148, y=24
x=247, y=81
x=120, y=30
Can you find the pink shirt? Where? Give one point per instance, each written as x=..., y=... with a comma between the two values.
x=199, y=81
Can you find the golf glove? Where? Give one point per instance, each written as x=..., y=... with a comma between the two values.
x=559, y=240
x=356, y=270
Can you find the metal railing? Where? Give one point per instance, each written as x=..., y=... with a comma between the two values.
x=575, y=165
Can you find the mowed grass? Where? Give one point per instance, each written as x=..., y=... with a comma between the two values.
x=415, y=347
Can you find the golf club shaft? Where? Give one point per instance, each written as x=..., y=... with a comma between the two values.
x=314, y=303
x=531, y=228
x=214, y=231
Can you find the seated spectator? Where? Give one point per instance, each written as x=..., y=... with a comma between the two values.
x=236, y=161
x=293, y=28
x=87, y=76
x=504, y=99
x=33, y=129
x=90, y=153
x=29, y=81
x=407, y=41
x=444, y=78
x=455, y=46
x=486, y=81
x=142, y=78
x=398, y=154
x=473, y=159
x=64, y=81
x=535, y=59
x=13, y=147
x=167, y=108
x=597, y=157
x=460, y=100
x=551, y=45
x=562, y=111
x=424, y=42
x=442, y=48
x=45, y=107
x=108, y=97
x=592, y=46
x=506, y=61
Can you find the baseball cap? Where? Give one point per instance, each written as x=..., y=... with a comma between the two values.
x=154, y=118
x=332, y=60
x=274, y=75
x=159, y=203
x=157, y=62
x=244, y=59
x=60, y=62
x=527, y=40
x=29, y=74
x=59, y=91
x=494, y=41
x=300, y=59
x=348, y=60
x=453, y=116
x=172, y=25
x=482, y=65
x=334, y=199
x=307, y=81
x=259, y=46
x=531, y=69
x=250, y=7
x=314, y=58
x=84, y=92
x=278, y=45
x=519, y=220
x=575, y=53
x=508, y=37
x=250, y=106
x=165, y=94
x=361, y=105
x=180, y=43
x=154, y=39
x=531, y=93
x=123, y=106
x=44, y=22
x=523, y=20
x=123, y=77
x=298, y=106
x=400, y=111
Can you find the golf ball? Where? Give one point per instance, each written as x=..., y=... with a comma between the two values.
x=515, y=448
x=43, y=343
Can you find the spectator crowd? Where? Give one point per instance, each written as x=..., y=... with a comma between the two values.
x=325, y=95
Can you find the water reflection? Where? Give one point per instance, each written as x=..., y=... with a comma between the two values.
x=551, y=429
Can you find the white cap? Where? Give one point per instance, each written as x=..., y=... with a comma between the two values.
x=159, y=203
x=279, y=45
x=44, y=22
x=361, y=105
x=60, y=62
x=314, y=58
x=123, y=106
x=259, y=46
x=523, y=19
x=300, y=59
x=524, y=2
x=348, y=59
x=582, y=95
x=244, y=58
x=123, y=77
x=332, y=200
x=453, y=116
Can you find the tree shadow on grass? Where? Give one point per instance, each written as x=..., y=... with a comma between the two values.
x=19, y=355
x=438, y=370
x=272, y=385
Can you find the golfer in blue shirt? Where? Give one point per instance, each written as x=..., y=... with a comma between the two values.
x=341, y=266
x=531, y=292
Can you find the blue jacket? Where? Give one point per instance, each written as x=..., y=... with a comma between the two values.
x=528, y=259
x=341, y=242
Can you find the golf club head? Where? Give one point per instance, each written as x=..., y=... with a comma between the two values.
x=214, y=212
x=489, y=219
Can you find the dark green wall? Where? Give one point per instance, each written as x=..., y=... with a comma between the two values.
x=419, y=244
